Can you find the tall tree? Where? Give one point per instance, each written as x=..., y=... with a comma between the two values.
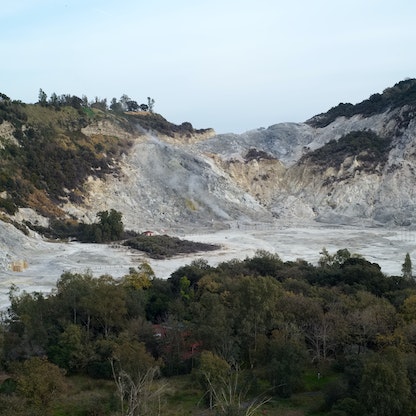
x=385, y=387
x=150, y=103
x=212, y=372
x=407, y=267
x=107, y=304
x=254, y=312
x=111, y=225
x=42, y=97
x=124, y=99
x=136, y=375
x=286, y=359
x=115, y=105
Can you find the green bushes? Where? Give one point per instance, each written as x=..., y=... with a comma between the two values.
x=403, y=93
x=368, y=148
x=109, y=228
x=7, y=205
x=163, y=246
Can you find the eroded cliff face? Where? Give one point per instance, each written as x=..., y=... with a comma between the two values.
x=186, y=178
x=380, y=191
x=259, y=177
x=164, y=186
x=296, y=188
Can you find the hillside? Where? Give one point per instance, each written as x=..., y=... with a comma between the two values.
x=353, y=164
x=287, y=283
x=353, y=169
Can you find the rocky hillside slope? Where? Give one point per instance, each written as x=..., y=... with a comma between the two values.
x=353, y=164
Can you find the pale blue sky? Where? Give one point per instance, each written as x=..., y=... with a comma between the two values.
x=233, y=65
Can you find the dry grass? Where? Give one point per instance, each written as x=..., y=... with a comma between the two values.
x=40, y=202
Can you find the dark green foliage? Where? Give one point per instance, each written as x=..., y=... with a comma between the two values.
x=356, y=273
x=193, y=272
x=385, y=388
x=109, y=228
x=12, y=111
x=159, y=298
x=403, y=93
x=8, y=386
x=335, y=392
x=368, y=148
x=52, y=168
x=132, y=105
x=254, y=154
x=163, y=246
x=407, y=267
x=349, y=407
x=8, y=206
x=282, y=322
x=153, y=121
x=264, y=264
x=111, y=225
x=286, y=364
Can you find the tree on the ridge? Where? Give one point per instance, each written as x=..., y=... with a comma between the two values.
x=132, y=105
x=123, y=101
x=100, y=104
x=115, y=105
x=53, y=100
x=150, y=103
x=407, y=267
x=43, y=98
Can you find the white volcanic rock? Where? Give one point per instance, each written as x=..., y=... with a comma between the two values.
x=293, y=190
x=165, y=186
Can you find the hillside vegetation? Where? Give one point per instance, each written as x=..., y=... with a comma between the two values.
x=367, y=147
x=47, y=155
x=401, y=94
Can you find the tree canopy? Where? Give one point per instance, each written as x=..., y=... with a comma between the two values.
x=258, y=321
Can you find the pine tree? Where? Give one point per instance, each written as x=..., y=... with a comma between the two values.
x=407, y=267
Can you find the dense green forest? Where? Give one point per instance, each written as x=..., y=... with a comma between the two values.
x=247, y=337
